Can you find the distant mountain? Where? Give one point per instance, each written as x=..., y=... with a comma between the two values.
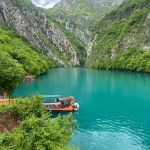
x=122, y=39
x=80, y=16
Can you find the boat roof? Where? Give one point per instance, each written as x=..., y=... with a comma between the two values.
x=51, y=96
x=57, y=103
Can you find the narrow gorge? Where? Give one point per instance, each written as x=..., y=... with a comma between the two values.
x=98, y=34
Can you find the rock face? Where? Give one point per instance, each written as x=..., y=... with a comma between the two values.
x=80, y=16
x=33, y=24
x=83, y=35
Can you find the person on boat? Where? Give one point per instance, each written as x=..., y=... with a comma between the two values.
x=57, y=99
x=67, y=103
x=63, y=104
x=71, y=101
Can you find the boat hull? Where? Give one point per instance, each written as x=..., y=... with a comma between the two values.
x=66, y=109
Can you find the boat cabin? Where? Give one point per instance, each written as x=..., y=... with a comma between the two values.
x=57, y=103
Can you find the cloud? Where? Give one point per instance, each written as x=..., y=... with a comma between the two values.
x=45, y=3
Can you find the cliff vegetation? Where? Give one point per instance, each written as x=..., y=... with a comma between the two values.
x=122, y=38
x=18, y=58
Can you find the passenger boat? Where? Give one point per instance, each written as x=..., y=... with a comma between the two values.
x=56, y=103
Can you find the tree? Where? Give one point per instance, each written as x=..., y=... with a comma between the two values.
x=11, y=73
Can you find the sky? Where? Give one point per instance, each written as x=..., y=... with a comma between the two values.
x=45, y=3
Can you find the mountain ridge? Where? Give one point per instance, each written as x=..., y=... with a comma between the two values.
x=80, y=16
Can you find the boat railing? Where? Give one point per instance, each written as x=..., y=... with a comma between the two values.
x=6, y=101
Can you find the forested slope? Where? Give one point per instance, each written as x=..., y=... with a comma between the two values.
x=122, y=38
x=18, y=58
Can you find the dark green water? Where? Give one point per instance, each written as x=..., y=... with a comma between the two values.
x=114, y=106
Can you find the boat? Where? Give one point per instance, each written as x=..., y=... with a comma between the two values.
x=57, y=103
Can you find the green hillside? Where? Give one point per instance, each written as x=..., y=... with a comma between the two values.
x=123, y=38
x=18, y=58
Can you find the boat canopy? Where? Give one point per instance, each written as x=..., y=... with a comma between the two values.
x=47, y=98
x=51, y=96
x=52, y=104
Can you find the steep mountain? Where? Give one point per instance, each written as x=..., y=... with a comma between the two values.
x=122, y=39
x=80, y=16
x=50, y=37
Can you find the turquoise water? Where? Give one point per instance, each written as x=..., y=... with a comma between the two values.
x=114, y=106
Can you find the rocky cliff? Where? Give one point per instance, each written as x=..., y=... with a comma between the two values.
x=39, y=30
x=81, y=16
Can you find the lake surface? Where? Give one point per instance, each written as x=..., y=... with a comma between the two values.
x=114, y=106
